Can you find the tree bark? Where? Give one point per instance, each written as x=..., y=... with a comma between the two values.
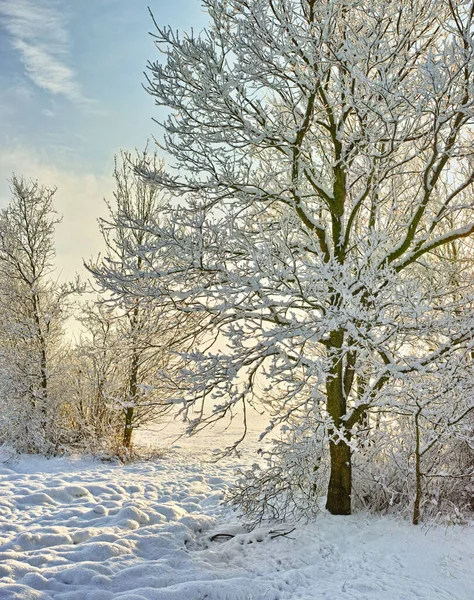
x=340, y=481
x=43, y=359
x=337, y=386
x=133, y=389
x=127, y=432
x=418, y=490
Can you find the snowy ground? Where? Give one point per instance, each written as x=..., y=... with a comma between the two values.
x=83, y=530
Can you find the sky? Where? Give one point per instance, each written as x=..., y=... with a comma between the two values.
x=71, y=96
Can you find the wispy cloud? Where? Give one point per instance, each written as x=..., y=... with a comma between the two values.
x=38, y=31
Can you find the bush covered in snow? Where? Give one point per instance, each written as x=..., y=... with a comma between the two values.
x=289, y=482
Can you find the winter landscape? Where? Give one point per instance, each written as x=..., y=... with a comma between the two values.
x=237, y=337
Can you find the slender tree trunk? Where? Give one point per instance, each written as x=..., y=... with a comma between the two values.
x=44, y=381
x=127, y=432
x=43, y=361
x=418, y=490
x=133, y=381
x=133, y=388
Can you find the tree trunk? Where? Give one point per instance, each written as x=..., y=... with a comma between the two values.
x=127, y=432
x=340, y=481
x=43, y=359
x=133, y=380
x=418, y=490
x=337, y=387
x=44, y=382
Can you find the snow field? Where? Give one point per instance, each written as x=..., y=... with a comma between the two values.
x=83, y=530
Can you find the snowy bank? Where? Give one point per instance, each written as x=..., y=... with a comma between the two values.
x=84, y=530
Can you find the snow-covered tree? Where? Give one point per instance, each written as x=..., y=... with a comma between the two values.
x=33, y=310
x=143, y=333
x=324, y=154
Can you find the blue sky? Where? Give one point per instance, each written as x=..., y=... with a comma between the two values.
x=71, y=75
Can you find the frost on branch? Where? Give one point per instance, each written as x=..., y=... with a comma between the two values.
x=290, y=482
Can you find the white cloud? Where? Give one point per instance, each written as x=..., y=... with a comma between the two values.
x=38, y=31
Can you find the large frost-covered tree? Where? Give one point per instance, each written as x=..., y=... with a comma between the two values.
x=324, y=153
